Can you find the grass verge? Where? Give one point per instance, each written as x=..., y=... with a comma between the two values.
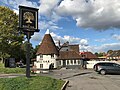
x=12, y=70
x=33, y=83
x=23, y=83
x=16, y=70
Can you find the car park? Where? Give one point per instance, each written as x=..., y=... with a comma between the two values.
x=107, y=68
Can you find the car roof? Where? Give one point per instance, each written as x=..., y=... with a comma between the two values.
x=106, y=62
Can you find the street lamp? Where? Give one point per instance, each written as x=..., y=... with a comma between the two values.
x=28, y=24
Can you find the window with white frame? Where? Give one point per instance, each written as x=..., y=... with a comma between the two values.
x=60, y=62
x=74, y=61
x=78, y=61
x=67, y=62
x=52, y=55
x=71, y=61
x=41, y=65
x=41, y=56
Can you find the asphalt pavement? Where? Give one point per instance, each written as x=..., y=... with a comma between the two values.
x=86, y=79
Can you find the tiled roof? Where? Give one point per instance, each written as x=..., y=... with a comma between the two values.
x=74, y=47
x=89, y=55
x=66, y=45
x=47, y=46
x=63, y=55
x=115, y=54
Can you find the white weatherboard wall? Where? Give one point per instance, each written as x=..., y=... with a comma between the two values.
x=46, y=60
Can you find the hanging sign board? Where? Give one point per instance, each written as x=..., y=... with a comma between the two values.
x=28, y=19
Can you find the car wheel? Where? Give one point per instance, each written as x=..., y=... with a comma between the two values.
x=103, y=72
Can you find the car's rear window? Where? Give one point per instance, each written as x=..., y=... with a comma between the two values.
x=105, y=64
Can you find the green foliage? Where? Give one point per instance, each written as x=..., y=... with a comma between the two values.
x=33, y=83
x=109, y=51
x=24, y=51
x=4, y=70
x=35, y=51
x=1, y=65
x=12, y=70
x=100, y=54
x=96, y=54
x=14, y=83
x=10, y=39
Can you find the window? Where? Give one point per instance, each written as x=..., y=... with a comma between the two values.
x=71, y=61
x=41, y=65
x=52, y=55
x=74, y=61
x=60, y=62
x=41, y=56
x=83, y=56
x=78, y=61
x=67, y=62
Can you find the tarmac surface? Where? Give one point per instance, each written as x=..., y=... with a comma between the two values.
x=86, y=79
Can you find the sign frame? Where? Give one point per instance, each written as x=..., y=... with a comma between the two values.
x=28, y=19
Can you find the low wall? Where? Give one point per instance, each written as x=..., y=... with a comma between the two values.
x=90, y=64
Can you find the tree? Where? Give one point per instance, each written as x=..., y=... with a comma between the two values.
x=24, y=51
x=35, y=51
x=109, y=51
x=100, y=54
x=10, y=39
x=96, y=54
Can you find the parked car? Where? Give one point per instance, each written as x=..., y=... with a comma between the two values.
x=20, y=64
x=107, y=68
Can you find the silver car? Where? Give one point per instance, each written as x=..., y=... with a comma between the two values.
x=107, y=68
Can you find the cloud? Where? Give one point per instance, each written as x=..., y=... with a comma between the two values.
x=84, y=42
x=97, y=14
x=65, y=38
x=83, y=45
x=47, y=7
x=116, y=36
x=101, y=40
x=104, y=47
x=44, y=25
x=14, y=4
x=37, y=37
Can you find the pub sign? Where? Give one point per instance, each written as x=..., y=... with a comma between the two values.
x=28, y=18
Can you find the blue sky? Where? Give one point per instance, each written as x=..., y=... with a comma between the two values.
x=94, y=25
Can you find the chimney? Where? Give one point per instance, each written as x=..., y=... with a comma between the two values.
x=59, y=44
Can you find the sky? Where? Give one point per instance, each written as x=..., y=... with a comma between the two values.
x=93, y=24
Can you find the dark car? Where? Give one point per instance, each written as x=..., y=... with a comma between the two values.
x=107, y=68
x=20, y=65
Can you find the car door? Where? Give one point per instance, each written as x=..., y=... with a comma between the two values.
x=110, y=68
x=116, y=68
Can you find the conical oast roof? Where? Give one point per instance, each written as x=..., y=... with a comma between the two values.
x=47, y=46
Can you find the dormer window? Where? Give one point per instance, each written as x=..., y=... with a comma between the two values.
x=83, y=56
x=41, y=56
x=52, y=55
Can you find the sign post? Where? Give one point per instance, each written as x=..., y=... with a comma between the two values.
x=28, y=24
